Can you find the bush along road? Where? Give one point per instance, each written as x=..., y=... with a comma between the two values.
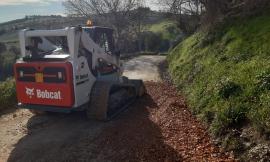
x=158, y=127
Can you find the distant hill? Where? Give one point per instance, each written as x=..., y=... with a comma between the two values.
x=9, y=30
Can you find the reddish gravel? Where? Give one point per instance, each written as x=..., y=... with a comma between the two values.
x=158, y=127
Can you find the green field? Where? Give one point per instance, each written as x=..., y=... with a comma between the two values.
x=167, y=28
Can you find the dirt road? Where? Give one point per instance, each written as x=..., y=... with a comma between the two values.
x=144, y=67
x=158, y=127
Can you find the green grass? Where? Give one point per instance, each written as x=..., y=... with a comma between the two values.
x=167, y=28
x=225, y=74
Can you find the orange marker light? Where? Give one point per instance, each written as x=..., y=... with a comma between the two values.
x=89, y=23
x=39, y=77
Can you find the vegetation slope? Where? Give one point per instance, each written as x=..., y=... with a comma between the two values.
x=225, y=74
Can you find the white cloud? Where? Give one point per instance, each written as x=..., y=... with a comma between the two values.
x=21, y=2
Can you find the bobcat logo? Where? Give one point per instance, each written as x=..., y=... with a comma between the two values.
x=29, y=92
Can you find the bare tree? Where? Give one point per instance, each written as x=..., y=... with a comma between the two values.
x=114, y=13
x=217, y=10
x=139, y=17
x=213, y=11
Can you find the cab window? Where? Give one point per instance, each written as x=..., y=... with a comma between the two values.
x=104, y=42
x=103, y=39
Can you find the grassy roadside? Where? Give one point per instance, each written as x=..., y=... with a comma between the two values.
x=225, y=75
x=7, y=95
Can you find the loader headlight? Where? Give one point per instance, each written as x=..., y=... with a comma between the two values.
x=60, y=75
x=21, y=74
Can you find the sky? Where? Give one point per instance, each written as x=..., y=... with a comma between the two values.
x=16, y=9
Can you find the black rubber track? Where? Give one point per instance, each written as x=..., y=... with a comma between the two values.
x=99, y=108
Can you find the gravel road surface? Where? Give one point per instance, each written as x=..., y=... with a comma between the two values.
x=158, y=127
x=144, y=67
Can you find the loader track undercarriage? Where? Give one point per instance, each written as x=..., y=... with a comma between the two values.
x=107, y=99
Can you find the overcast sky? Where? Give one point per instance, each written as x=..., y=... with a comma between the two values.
x=15, y=9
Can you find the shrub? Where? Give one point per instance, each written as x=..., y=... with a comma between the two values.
x=7, y=94
x=7, y=59
x=233, y=116
x=208, y=117
x=164, y=45
x=3, y=47
x=263, y=82
x=261, y=115
x=14, y=50
x=152, y=41
x=228, y=89
x=231, y=143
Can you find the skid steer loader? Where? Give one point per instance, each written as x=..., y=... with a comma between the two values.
x=73, y=69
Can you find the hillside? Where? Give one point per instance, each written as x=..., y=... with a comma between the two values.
x=9, y=30
x=225, y=75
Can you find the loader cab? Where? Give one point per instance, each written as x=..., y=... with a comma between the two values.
x=104, y=56
x=103, y=37
x=45, y=48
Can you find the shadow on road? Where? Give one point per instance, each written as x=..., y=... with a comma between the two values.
x=7, y=111
x=130, y=137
